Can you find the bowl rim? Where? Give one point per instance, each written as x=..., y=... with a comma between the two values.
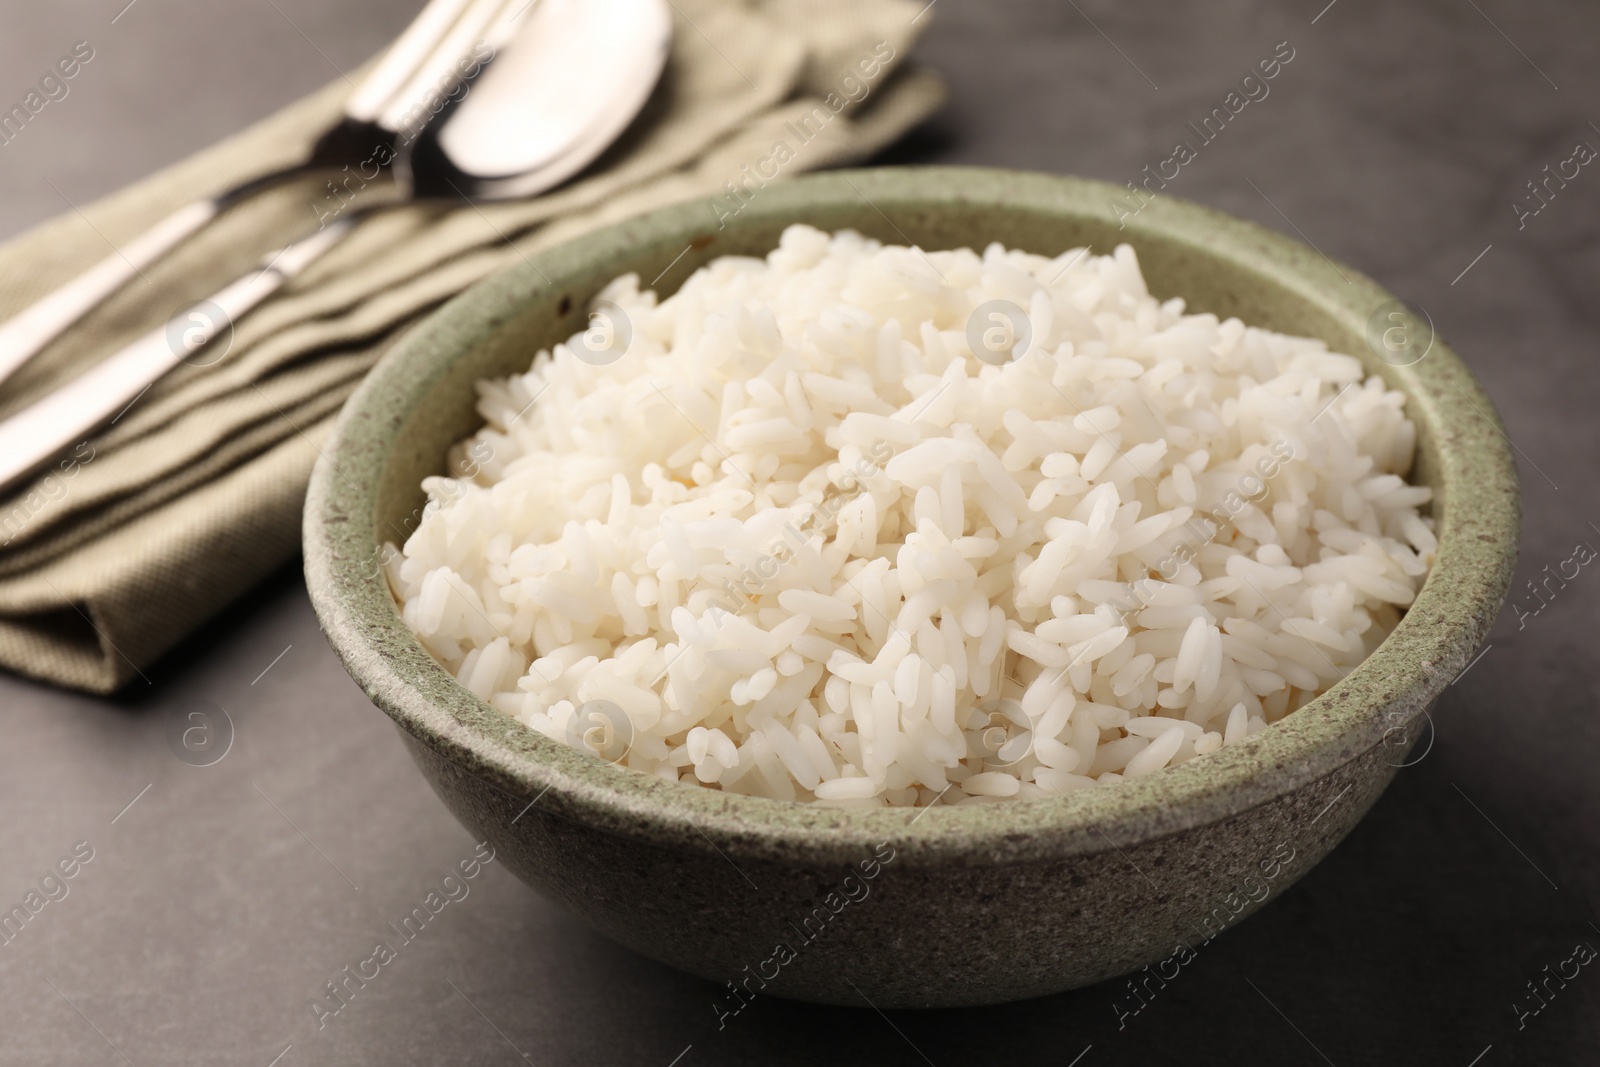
x=1477, y=511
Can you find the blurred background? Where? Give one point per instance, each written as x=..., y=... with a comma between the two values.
x=220, y=900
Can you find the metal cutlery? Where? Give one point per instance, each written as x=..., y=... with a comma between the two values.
x=390, y=99
x=495, y=117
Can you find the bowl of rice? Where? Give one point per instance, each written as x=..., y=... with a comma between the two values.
x=918, y=586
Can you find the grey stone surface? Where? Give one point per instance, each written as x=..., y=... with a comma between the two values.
x=218, y=905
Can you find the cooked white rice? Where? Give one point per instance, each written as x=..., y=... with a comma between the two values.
x=799, y=541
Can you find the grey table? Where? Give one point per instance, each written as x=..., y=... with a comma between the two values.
x=220, y=900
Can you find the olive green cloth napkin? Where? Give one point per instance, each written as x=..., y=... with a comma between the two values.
x=194, y=494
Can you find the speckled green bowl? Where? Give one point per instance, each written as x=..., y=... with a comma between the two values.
x=945, y=906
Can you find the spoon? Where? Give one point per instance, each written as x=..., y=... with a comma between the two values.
x=387, y=109
x=512, y=118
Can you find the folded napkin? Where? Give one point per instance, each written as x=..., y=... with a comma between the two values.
x=193, y=495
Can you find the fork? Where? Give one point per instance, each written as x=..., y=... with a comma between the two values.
x=389, y=105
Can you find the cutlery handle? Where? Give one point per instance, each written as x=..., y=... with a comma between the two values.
x=25, y=335
x=38, y=433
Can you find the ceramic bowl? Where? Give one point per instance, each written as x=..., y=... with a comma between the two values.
x=949, y=905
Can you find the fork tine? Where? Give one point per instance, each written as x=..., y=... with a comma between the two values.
x=414, y=45
x=440, y=66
